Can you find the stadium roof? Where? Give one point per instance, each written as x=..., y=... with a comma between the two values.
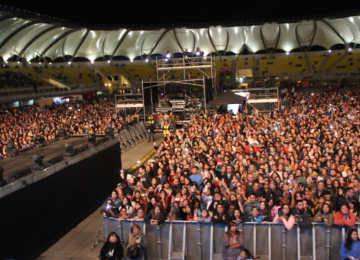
x=23, y=34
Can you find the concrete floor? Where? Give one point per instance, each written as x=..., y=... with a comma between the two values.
x=77, y=243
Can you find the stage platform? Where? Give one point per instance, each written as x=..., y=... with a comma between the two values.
x=25, y=159
x=77, y=243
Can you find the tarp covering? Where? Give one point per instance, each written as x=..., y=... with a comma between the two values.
x=227, y=97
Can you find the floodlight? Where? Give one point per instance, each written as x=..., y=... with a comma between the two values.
x=92, y=140
x=69, y=150
x=146, y=60
x=11, y=150
x=39, y=141
x=329, y=51
x=109, y=132
x=198, y=53
x=168, y=55
x=287, y=53
x=62, y=134
x=38, y=162
x=2, y=182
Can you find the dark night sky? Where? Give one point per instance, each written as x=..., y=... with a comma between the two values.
x=130, y=12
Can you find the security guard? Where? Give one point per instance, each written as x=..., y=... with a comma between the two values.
x=166, y=129
x=151, y=120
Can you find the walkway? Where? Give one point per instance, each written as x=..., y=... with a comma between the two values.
x=77, y=243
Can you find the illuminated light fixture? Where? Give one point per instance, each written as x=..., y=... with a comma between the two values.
x=18, y=62
x=350, y=49
x=50, y=63
x=329, y=51
x=105, y=84
x=39, y=62
x=204, y=57
x=147, y=60
x=131, y=60
x=69, y=62
x=29, y=62
x=168, y=55
x=197, y=53
x=108, y=61
x=92, y=62
x=287, y=53
x=166, y=59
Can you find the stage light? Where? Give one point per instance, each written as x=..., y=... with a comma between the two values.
x=11, y=150
x=39, y=141
x=198, y=53
x=146, y=60
x=69, y=62
x=62, y=134
x=91, y=140
x=287, y=53
x=166, y=59
x=168, y=55
x=2, y=182
x=69, y=150
x=109, y=132
x=38, y=162
x=108, y=61
x=329, y=51
x=350, y=49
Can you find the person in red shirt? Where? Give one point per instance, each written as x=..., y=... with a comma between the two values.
x=344, y=217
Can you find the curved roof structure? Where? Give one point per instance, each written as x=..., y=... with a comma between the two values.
x=32, y=39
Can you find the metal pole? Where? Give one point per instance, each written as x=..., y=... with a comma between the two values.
x=184, y=75
x=204, y=94
x=269, y=241
x=313, y=243
x=170, y=242
x=211, y=241
x=283, y=243
x=184, y=242
x=254, y=240
x=143, y=97
x=298, y=242
x=198, y=239
x=152, y=105
x=157, y=71
x=158, y=241
x=328, y=246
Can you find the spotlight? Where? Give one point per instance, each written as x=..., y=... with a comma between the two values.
x=198, y=53
x=146, y=60
x=92, y=140
x=62, y=134
x=11, y=150
x=2, y=182
x=69, y=150
x=168, y=55
x=39, y=141
x=109, y=132
x=38, y=162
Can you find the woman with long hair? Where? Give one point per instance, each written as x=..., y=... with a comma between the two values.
x=285, y=216
x=233, y=241
x=325, y=215
x=112, y=248
x=350, y=248
x=156, y=216
x=137, y=241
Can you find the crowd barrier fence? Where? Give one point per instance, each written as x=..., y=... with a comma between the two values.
x=132, y=135
x=193, y=241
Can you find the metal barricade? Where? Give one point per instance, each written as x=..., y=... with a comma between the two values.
x=193, y=241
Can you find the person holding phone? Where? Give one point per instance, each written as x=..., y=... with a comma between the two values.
x=285, y=217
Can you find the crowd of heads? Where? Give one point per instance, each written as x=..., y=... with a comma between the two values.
x=298, y=165
x=20, y=126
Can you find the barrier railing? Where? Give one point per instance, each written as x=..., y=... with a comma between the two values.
x=132, y=135
x=193, y=241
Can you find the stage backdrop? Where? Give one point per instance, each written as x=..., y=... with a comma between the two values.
x=35, y=217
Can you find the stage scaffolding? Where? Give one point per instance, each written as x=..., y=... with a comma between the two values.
x=203, y=67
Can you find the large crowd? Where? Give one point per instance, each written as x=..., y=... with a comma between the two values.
x=20, y=126
x=300, y=165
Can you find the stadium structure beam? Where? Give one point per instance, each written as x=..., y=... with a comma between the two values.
x=177, y=41
x=56, y=41
x=118, y=44
x=16, y=32
x=27, y=45
x=212, y=43
x=79, y=45
x=263, y=39
x=336, y=32
x=5, y=17
x=227, y=41
x=277, y=40
x=158, y=41
x=313, y=36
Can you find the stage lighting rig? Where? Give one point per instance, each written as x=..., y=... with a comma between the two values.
x=69, y=150
x=39, y=141
x=62, y=134
x=11, y=150
x=38, y=162
x=92, y=140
